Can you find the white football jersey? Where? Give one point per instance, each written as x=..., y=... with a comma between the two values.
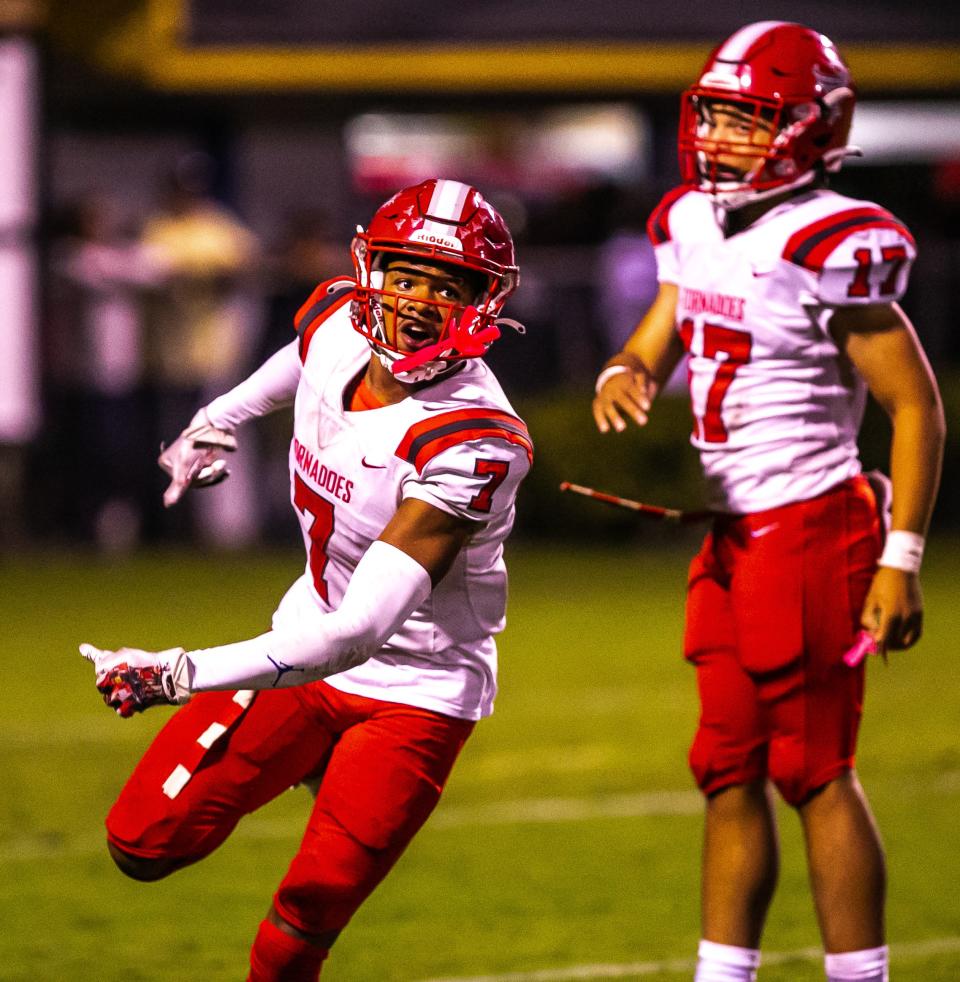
x=776, y=407
x=456, y=444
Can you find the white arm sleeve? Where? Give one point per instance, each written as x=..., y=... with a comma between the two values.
x=272, y=386
x=386, y=587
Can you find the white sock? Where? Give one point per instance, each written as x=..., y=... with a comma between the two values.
x=869, y=965
x=726, y=963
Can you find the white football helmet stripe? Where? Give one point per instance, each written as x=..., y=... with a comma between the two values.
x=738, y=44
x=447, y=200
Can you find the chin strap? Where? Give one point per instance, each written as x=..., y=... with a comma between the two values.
x=465, y=339
x=833, y=159
x=737, y=197
x=731, y=200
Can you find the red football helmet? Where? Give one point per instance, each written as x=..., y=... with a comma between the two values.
x=794, y=98
x=444, y=222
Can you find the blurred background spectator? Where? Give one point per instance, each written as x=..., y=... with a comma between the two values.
x=203, y=320
x=95, y=372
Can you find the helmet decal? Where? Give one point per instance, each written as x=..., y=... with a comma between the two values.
x=447, y=202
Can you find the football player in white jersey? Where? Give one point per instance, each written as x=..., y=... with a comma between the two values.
x=782, y=293
x=405, y=462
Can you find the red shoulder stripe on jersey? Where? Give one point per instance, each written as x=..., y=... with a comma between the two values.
x=329, y=296
x=811, y=246
x=658, y=224
x=820, y=252
x=424, y=440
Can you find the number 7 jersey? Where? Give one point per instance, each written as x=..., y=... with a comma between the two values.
x=457, y=445
x=776, y=405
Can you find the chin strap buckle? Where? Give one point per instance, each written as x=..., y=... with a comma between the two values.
x=465, y=339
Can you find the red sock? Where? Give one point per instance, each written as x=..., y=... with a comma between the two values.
x=279, y=957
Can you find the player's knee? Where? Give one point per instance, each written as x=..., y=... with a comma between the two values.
x=734, y=802
x=281, y=951
x=715, y=767
x=795, y=779
x=793, y=785
x=699, y=761
x=839, y=791
x=319, y=939
x=323, y=888
x=140, y=868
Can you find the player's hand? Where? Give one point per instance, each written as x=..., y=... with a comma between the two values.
x=628, y=393
x=195, y=458
x=131, y=680
x=893, y=610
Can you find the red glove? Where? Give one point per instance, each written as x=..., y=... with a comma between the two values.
x=131, y=680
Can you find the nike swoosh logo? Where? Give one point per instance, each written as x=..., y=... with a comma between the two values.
x=762, y=272
x=373, y=467
x=763, y=530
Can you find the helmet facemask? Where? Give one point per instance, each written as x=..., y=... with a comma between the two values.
x=462, y=330
x=761, y=136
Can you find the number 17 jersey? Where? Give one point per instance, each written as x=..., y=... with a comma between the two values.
x=776, y=405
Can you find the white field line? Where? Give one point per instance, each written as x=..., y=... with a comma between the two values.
x=532, y=810
x=49, y=845
x=907, y=951
x=105, y=727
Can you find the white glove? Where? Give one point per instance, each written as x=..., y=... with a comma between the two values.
x=132, y=680
x=194, y=459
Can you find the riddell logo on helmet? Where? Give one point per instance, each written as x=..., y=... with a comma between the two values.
x=431, y=238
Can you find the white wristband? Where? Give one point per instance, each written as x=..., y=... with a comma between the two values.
x=608, y=373
x=903, y=550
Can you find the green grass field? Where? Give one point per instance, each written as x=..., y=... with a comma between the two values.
x=566, y=846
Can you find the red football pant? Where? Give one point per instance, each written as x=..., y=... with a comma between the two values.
x=774, y=600
x=278, y=957
x=382, y=766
